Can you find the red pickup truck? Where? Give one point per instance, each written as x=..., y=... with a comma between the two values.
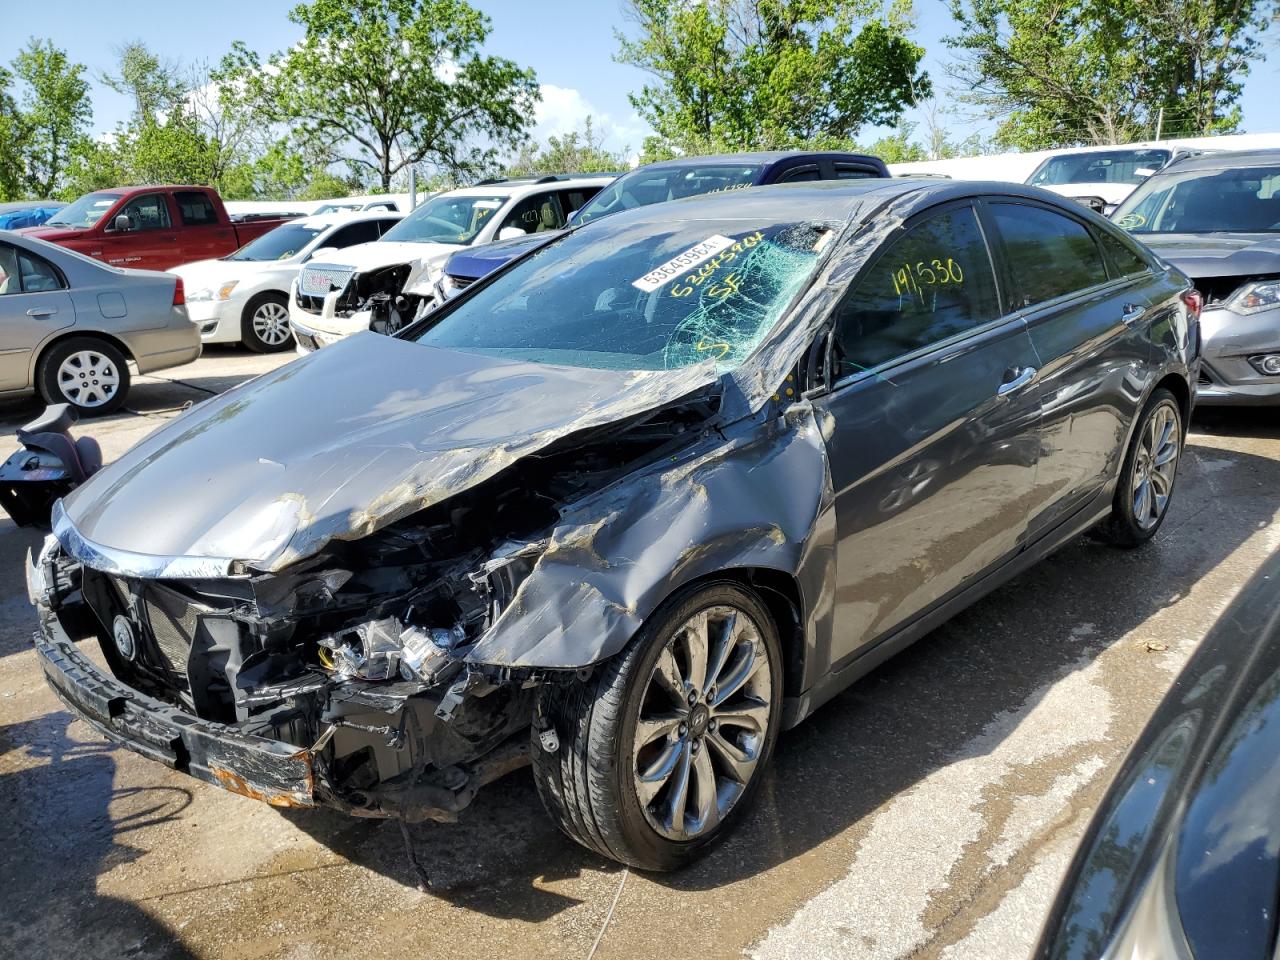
x=154, y=228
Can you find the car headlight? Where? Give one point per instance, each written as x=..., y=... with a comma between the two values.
x=1256, y=296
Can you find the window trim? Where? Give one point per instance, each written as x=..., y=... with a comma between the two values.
x=871, y=173
x=789, y=175
x=1004, y=272
x=831, y=384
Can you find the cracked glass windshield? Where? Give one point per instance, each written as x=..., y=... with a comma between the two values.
x=641, y=296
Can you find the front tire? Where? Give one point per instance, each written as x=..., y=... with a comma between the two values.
x=665, y=746
x=264, y=323
x=89, y=373
x=1145, y=487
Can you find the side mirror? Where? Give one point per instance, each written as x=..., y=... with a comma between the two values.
x=510, y=233
x=568, y=221
x=322, y=252
x=123, y=223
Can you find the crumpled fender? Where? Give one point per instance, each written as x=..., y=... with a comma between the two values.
x=761, y=496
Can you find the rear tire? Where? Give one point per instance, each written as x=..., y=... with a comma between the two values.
x=1145, y=487
x=89, y=373
x=264, y=323
x=657, y=759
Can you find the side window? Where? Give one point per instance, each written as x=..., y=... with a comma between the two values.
x=571, y=200
x=799, y=175
x=1048, y=255
x=365, y=231
x=38, y=274
x=851, y=171
x=1123, y=259
x=931, y=283
x=195, y=208
x=385, y=225
x=147, y=213
x=10, y=282
x=535, y=214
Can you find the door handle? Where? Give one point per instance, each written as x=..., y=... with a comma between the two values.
x=1023, y=377
x=1132, y=313
x=42, y=311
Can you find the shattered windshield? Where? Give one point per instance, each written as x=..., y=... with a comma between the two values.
x=641, y=296
x=446, y=219
x=646, y=186
x=1232, y=200
x=85, y=212
x=279, y=244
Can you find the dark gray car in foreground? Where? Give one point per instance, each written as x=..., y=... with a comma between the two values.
x=1182, y=859
x=627, y=507
x=1217, y=219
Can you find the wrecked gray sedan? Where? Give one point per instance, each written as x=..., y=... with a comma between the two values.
x=625, y=508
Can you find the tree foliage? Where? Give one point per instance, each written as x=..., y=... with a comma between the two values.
x=381, y=84
x=55, y=114
x=738, y=74
x=1062, y=72
x=578, y=151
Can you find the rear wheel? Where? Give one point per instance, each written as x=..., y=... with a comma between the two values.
x=1145, y=488
x=264, y=324
x=89, y=373
x=665, y=746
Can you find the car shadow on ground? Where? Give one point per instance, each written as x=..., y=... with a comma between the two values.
x=914, y=715
x=50, y=875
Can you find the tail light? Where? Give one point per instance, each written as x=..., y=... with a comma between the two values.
x=179, y=293
x=1194, y=300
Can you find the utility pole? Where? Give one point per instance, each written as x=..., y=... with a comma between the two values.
x=1159, y=122
x=413, y=187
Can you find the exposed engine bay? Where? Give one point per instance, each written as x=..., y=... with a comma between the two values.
x=379, y=300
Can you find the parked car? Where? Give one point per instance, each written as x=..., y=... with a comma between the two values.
x=27, y=213
x=72, y=325
x=1217, y=219
x=394, y=204
x=647, y=497
x=244, y=297
x=386, y=285
x=1101, y=177
x=1182, y=858
x=660, y=182
x=151, y=227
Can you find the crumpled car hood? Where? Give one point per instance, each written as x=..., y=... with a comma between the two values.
x=1217, y=254
x=342, y=442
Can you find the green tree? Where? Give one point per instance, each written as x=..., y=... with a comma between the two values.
x=155, y=84
x=13, y=133
x=382, y=84
x=1062, y=72
x=55, y=114
x=578, y=151
x=737, y=74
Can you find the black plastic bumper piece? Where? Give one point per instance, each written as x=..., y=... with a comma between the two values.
x=278, y=773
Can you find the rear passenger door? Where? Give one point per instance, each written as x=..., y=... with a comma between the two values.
x=33, y=304
x=202, y=236
x=1088, y=325
x=933, y=436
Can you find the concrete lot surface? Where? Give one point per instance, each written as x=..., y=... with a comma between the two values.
x=927, y=812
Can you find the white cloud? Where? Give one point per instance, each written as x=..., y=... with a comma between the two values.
x=564, y=109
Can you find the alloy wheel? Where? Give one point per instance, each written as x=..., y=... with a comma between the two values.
x=1155, y=465
x=702, y=723
x=271, y=323
x=88, y=378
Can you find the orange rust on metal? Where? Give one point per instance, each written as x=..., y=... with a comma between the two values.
x=235, y=783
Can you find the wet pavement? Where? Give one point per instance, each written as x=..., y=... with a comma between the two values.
x=927, y=812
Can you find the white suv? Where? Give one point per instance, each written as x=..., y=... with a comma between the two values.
x=385, y=285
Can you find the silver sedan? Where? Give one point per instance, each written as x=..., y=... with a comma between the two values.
x=70, y=326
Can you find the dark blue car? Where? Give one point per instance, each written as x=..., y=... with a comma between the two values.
x=670, y=180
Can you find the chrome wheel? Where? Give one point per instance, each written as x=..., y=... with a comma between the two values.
x=271, y=323
x=702, y=723
x=1155, y=465
x=88, y=378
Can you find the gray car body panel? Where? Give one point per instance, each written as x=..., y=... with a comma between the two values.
x=134, y=308
x=378, y=429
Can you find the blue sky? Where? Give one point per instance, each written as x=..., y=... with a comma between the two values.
x=569, y=43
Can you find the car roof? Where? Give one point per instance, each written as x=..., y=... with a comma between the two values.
x=755, y=156
x=518, y=188
x=1219, y=159
x=343, y=217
